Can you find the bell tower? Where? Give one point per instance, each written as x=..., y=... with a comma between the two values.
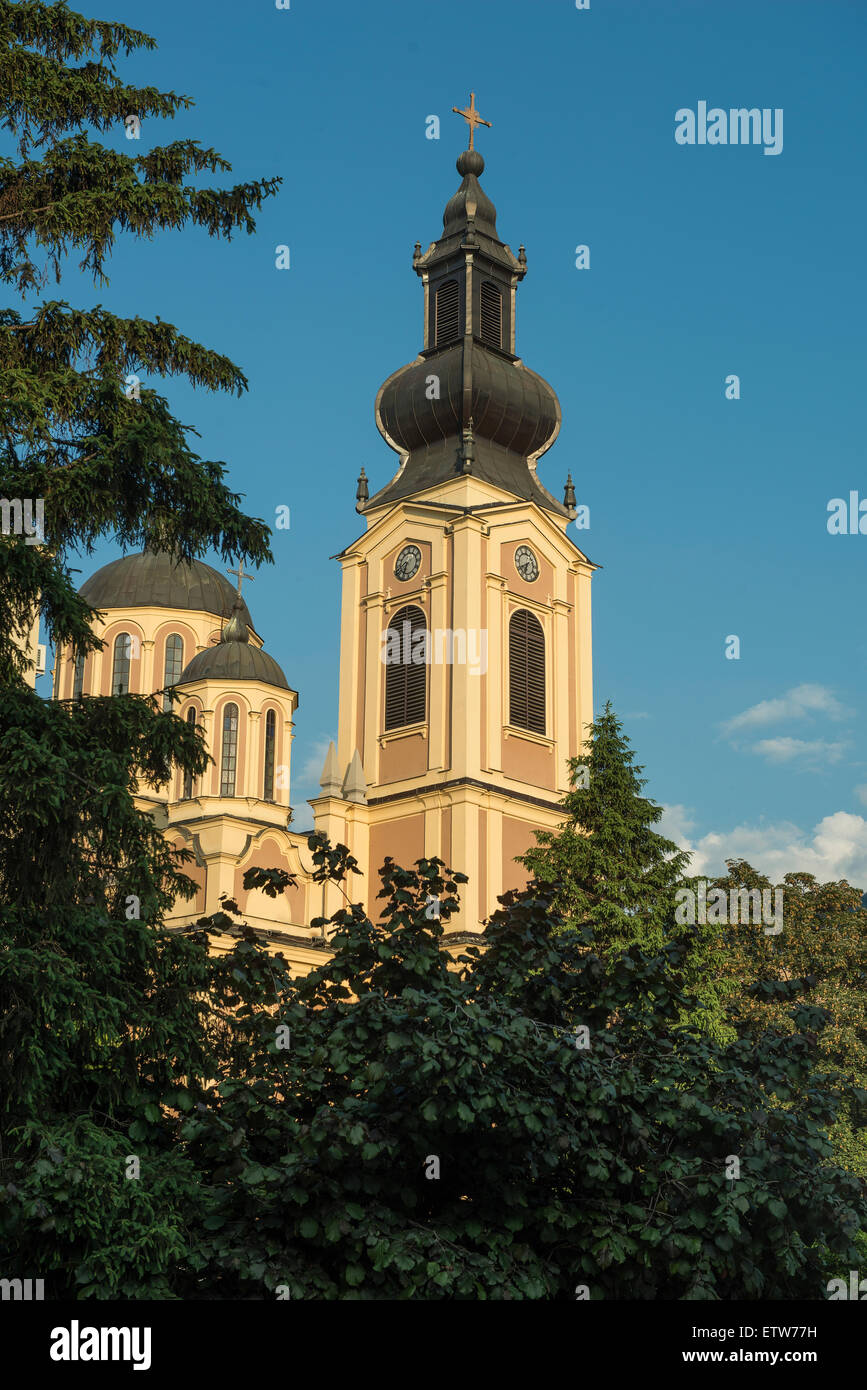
x=465, y=657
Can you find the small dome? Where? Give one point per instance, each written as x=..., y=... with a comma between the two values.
x=471, y=200
x=233, y=661
x=156, y=580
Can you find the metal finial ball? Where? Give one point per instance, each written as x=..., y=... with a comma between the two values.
x=470, y=162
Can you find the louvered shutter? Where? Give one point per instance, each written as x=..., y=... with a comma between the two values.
x=492, y=314
x=526, y=672
x=447, y=311
x=405, y=680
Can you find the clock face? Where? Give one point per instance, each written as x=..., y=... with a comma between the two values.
x=526, y=563
x=408, y=562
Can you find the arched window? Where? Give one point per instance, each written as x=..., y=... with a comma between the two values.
x=174, y=664
x=78, y=677
x=447, y=302
x=405, y=669
x=188, y=776
x=270, y=750
x=229, y=759
x=120, y=667
x=526, y=672
x=492, y=314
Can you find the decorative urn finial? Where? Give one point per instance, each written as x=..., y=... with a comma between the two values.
x=468, y=448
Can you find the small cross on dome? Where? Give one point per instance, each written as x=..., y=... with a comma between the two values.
x=242, y=574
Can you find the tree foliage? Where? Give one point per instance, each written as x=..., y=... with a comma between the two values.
x=104, y=461
x=525, y=1122
x=821, y=957
x=539, y=1116
x=613, y=868
x=100, y=1009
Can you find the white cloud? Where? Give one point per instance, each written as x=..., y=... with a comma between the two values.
x=835, y=848
x=305, y=779
x=861, y=793
x=797, y=703
x=811, y=754
x=676, y=824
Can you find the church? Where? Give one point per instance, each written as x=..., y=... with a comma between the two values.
x=465, y=677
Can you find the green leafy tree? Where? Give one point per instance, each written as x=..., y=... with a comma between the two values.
x=529, y=1125
x=821, y=956
x=525, y=1122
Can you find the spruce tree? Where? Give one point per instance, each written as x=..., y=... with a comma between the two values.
x=613, y=869
x=101, y=1010
x=102, y=461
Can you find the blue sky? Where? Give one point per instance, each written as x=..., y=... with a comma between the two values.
x=708, y=515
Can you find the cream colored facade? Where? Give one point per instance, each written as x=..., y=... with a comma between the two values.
x=35, y=653
x=226, y=834
x=463, y=784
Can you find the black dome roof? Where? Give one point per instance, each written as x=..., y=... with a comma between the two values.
x=233, y=661
x=156, y=580
x=507, y=402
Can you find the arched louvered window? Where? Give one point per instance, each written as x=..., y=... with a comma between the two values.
x=229, y=758
x=526, y=672
x=174, y=664
x=120, y=667
x=78, y=677
x=405, y=668
x=492, y=314
x=188, y=776
x=270, y=750
x=447, y=301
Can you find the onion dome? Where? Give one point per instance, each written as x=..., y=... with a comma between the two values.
x=471, y=201
x=154, y=579
x=508, y=404
x=468, y=404
x=233, y=658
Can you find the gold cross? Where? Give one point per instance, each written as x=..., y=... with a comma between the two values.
x=471, y=116
x=242, y=574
